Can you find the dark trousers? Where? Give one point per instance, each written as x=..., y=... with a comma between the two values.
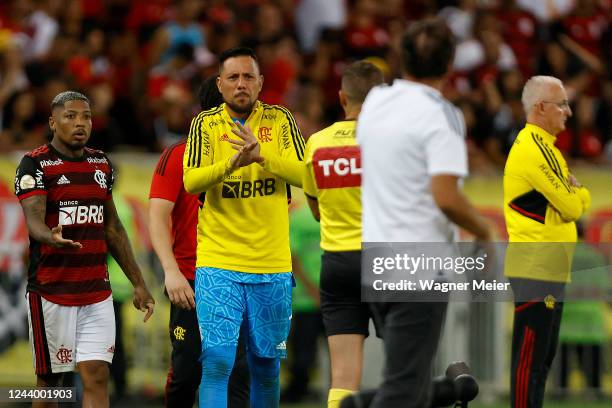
x=306, y=328
x=186, y=369
x=410, y=332
x=589, y=359
x=534, y=343
x=118, y=368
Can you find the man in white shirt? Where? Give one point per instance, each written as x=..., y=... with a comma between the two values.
x=413, y=157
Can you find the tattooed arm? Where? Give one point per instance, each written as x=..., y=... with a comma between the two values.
x=120, y=248
x=35, y=209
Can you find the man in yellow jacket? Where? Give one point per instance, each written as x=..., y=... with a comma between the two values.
x=243, y=155
x=542, y=201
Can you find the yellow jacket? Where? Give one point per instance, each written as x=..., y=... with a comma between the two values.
x=540, y=208
x=244, y=223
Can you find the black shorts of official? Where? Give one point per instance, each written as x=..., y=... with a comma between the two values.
x=185, y=372
x=340, y=288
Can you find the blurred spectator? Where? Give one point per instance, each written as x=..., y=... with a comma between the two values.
x=43, y=25
x=173, y=123
x=105, y=132
x=313, y=16
x=13, y=15
x=509, y=118
x=177, y=72
x=21, y=132
x=582, y=139
x=308, y=110
x=485, y=47
x=556, y=61
x=12, y=74
x=586, y=25
x=547, y=10
x=72, y=23
x=145, y=16
x=326, y=69
x=269, y=25
x=460, y=18
x=364, y=36
x=183, y=29
x=520, y=31
x=142, y=47
x=281, y=66
x=91, y=65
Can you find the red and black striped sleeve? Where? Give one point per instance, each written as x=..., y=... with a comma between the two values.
x=29, y=178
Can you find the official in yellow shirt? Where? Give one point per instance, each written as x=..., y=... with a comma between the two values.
x=542, y=201
x=243, y=155
x=332, y=183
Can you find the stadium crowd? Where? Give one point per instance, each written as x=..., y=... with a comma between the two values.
x=141, y=62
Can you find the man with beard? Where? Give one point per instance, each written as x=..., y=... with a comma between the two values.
x=243, y=266
x=173, y=220
x=65, y=190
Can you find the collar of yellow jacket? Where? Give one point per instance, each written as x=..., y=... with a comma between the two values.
x=256, y=107
x=530, y=127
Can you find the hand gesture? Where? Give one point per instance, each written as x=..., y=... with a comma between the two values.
x=247, y=146
x=60, y=242
x=179, y=290
x=143, y=301
x=574, y=181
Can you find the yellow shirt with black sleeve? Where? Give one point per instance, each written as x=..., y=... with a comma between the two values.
x=244, y=223
x=332, y=175
x=540, y=208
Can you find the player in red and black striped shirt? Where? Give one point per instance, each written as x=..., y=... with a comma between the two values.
x=65, y=190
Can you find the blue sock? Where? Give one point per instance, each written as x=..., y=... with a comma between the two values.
x=217, y=363
x=265, y=381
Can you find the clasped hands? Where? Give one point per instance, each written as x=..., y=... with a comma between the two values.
x=248, y=148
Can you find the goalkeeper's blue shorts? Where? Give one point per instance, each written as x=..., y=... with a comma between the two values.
x=227, y=299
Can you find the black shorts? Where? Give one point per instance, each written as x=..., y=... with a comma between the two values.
x=341, y=306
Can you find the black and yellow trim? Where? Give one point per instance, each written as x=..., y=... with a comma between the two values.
x=550, y=158
x=194, y=143
x=296, y=135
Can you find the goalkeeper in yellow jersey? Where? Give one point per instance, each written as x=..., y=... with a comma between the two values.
x=243, y=155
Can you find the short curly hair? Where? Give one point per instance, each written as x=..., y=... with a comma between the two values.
x=66, y=96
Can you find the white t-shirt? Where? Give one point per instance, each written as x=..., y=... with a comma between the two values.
x=408, y=132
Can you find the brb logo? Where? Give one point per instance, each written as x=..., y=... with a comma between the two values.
x=336, y=167
x=80, y=214
x=246, y=189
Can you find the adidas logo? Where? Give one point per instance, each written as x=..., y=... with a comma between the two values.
x=63, y=180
